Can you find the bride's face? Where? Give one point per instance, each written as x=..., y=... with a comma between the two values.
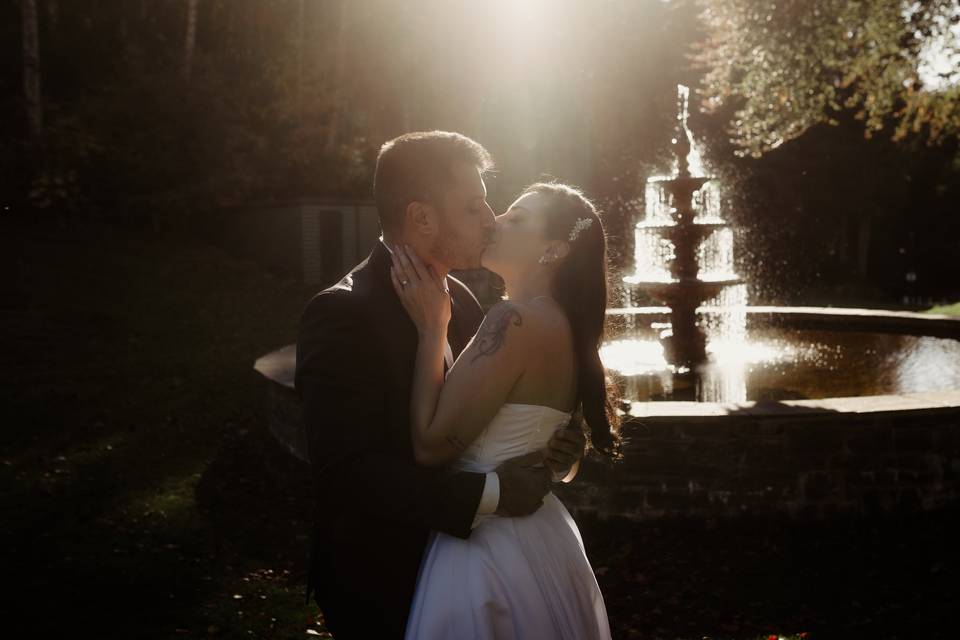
x=520, y=237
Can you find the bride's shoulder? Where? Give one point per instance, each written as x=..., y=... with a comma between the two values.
x=521, y=328
x=528, y=318
x=507, y=313
x=549, y=312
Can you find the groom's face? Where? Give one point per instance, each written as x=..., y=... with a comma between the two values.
x=465, y=222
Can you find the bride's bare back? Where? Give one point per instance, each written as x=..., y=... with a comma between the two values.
x=549, y=375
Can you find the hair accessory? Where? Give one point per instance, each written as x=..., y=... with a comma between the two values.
x=582, y=223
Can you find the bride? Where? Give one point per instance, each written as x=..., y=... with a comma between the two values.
x=532, y=363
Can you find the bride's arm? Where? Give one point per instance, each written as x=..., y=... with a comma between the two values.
x=427, y=381
x=476, y=387
x=446, y=416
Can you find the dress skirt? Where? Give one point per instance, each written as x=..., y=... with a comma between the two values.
x=514, y=578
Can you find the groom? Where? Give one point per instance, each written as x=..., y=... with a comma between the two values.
x=355, y=359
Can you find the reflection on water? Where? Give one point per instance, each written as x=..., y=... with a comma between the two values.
x=926, y=365
x=783, y=365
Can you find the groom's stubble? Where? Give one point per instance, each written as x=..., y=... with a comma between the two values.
x=465, y=222
x=454, y=250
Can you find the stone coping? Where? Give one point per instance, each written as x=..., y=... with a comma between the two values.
x=914, y=402
x=835, y=319
x=825, y=311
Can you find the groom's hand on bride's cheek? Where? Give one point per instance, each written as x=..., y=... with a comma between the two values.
x=565, y=448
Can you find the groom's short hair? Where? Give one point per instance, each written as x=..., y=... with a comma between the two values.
x=416, y=166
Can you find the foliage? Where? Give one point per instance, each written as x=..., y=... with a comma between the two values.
x=127, y=132
x=788, y=65
x=947, y=310
x=292, y=98
x=68, y=147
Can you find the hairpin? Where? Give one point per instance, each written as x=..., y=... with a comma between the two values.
x=582, y=223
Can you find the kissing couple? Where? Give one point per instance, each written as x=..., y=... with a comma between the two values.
x=435, y=431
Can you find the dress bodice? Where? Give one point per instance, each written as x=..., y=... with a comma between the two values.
x=515, y=430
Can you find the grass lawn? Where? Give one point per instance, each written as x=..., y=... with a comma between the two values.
x=948, y=310
x=144, y=498
x=134, y=459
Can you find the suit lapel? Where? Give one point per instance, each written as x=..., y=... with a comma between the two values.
x=396, y=338
x=466, y=317
x=458, y=333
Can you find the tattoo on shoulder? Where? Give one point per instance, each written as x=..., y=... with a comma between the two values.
x=492, y=336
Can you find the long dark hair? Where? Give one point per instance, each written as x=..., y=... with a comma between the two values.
x=580, y=287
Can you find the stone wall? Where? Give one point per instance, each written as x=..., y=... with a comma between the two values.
x=801, y=460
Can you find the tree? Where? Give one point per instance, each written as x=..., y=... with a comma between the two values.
x=190, y=41
x=785, y=66
x=337, y=72
x=31, y=69
x=53, y=14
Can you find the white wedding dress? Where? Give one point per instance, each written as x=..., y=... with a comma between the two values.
x=514, y=578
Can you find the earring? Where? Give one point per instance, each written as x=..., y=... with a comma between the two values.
x=543, y=260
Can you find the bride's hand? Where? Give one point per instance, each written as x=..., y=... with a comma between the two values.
x=421, y=290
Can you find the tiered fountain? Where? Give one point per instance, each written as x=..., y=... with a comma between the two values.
x=671, y=254
x=683, y=258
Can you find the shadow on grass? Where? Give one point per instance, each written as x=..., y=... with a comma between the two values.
x=867, y=578
x=127, y=375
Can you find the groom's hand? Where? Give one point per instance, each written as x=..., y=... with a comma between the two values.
x=524, y=481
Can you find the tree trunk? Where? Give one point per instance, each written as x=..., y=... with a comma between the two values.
x=333, y=133
x=191, y=39
x=300, y=43
x=864, y=234
x=53, y=14
x=31, y=69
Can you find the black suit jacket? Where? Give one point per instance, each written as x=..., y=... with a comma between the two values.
x=374, y=506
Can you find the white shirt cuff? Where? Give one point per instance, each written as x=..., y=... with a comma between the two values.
x=489, y=499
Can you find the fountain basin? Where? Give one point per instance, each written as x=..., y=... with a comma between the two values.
x=881, y=453
x=673, y=291
x=672, y=231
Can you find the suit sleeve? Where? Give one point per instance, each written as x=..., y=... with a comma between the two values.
x=353, y=468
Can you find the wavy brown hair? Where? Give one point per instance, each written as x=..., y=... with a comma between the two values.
x=580, y=287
